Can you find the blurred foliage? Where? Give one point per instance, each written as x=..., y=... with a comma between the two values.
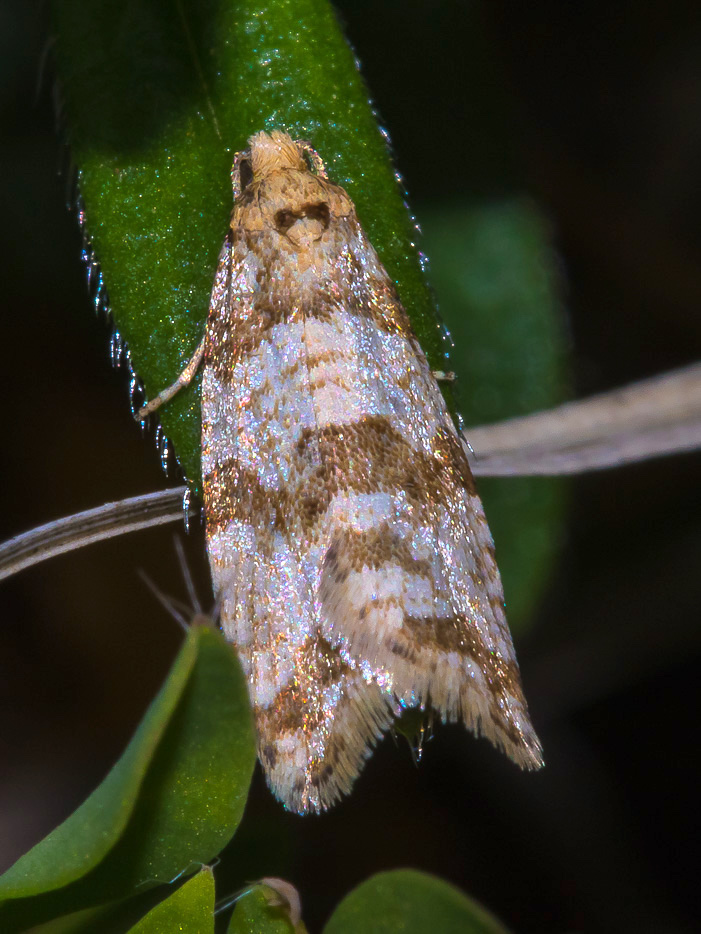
x=410, y=902
x=495, y=278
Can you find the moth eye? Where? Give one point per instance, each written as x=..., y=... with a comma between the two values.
x=318, y=212
x=245, y=173
x=285, y=219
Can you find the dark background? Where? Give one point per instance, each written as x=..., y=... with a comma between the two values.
x=606, y=134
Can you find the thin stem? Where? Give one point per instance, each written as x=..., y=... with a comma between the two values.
x=94, y=525
x=647, y=419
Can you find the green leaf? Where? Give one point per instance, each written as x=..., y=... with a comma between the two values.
x=158, y=97
x=494, y=272
x=172, y=801
x=410, y=902
x=495, y=275
x=254, y=914
x=189, y=910
x=78, y=845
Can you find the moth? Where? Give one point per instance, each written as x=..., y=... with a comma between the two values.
x=349, y=550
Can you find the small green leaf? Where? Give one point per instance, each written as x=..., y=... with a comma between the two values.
x=81, y=841
x=189, y=910
x=171, y=803
x=408, y=902
x=494, y=272
x=255, y=915
x=158, y=97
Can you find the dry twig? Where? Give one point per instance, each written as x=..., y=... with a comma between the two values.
x=647, y=419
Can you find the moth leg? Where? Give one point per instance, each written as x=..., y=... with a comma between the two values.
x=444, y=376
x=183, y=380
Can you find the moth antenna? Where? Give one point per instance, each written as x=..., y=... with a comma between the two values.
x=167, y=602
x=187, y=576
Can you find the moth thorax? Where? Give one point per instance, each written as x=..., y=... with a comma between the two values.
x=303, y=224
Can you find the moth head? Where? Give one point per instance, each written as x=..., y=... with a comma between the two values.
x=284, y=181
x=270, y=153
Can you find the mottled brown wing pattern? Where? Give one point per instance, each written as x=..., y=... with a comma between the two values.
x=354, y=565
x=317, y=714
x=409, y=582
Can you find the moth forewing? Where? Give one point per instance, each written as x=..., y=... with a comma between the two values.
x=347, y=544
